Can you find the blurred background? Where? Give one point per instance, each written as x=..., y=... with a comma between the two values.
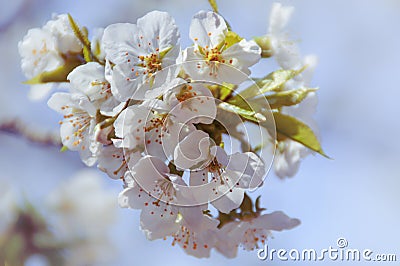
x=354, y=196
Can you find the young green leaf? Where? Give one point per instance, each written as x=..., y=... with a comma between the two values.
x=226, y=90
x=290, y=127
x=223, y=91
x=247, y=114
x=276, y=80
x=284, y=98
x=57, y=75
x=272, y=82
x=231, y=38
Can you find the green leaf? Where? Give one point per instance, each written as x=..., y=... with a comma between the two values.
x=230, y=123
x=213, y=5
x=272, y=82
x=231, y=38
x=276, y=80
x=290, y=127
x=239, y=101
x=226, y=90
x=284, y=98
x=223, y=91
x=247, y=114
x=57, y=75
x=87, y=47
x=14, y=249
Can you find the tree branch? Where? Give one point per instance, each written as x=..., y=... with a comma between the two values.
x=19, y=128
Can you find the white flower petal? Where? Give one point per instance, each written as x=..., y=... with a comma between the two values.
x=125, y=83
x=60, y=28
x=207, y=29
x=148, y=171
x=159, y=221
x=276, y=221
x=279, y=18
x=39, y=53
x=231, y=200
x=89, y=79
x=117, y=41
x=129, y=126
x=249, y=167
x=243, y=54
x=40, y=91
x=195, y=104
x=193, y=150
x=159, y=29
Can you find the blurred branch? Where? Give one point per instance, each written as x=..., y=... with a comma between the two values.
x=19, y=128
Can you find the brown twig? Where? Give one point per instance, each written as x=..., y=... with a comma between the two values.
x=19, y=128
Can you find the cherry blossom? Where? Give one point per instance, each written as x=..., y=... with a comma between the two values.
x=117, y=161
x=153, y=189
x=229, y=177
x=161, y=121
x=77, y=128
x=252, y=231
x=89, y=79
x=140, y=50
x=60, y=28
x=45, y=49
x=191, y=103
x=39, y=53
x=200, y=242
x=212, y=57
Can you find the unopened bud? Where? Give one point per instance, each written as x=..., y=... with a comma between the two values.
x=265, y=43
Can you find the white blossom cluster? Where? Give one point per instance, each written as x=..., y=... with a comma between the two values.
x=156, y=116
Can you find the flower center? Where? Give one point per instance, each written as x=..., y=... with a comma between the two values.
x=155, y=123
x=185, y=93
x=252, y=237
x=163, y=190
x=214, y=55
x=151, y=62
x=188, y=240
x=80, y=121
x=105, y=87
